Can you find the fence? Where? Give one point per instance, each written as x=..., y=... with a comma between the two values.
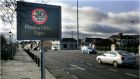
x=103, y=48
x=34, y=57
x=8, y=52
x=129, y=49
x=108, y=48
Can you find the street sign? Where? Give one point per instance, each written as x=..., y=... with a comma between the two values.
x=38, y=21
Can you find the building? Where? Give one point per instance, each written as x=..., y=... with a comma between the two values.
x=125, y=40
x=55, y=45
x=68, y=44
x=97, y=42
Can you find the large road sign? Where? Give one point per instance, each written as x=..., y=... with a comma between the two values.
x=38, y=21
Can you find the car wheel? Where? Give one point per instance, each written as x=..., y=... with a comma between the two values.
x=115, y=64
x=95, y=52
x=99, y=61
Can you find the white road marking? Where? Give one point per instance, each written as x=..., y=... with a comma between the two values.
x=113, y=70
x=99, y=66
x=77, y=67
x=131, y=75
x=75, y=76
x=67, y=72
x=89, y=64
x=81, y=61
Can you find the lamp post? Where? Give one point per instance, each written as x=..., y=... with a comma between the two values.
x=10, y=33
x=77, y=26
x=10, y=42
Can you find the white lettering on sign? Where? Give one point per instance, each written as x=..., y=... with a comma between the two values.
x=29, y=27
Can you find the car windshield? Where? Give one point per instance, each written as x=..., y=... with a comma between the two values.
x=90, y=48
x=123, y=53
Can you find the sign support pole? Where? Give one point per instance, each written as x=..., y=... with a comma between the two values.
x=42, y=61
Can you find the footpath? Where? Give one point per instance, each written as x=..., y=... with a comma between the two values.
x=21, y=67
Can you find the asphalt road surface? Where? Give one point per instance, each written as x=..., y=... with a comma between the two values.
x=72, y=64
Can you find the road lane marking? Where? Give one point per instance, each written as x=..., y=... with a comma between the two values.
x=81, y=61
x=89, y=64
x=67, y=72
x=77, y=67
x=113, y=70
x=99, y=66
x=75, y=76
x=131, y=75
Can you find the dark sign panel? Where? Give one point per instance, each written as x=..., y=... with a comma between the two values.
x=38, y=21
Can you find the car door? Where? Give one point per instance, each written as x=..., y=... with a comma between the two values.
x=111, y=57
x=105, y=57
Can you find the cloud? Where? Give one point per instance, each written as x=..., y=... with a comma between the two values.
x=93, y=21
x=103, y=28
x=124, y=18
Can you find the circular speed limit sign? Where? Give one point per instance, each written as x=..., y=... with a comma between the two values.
x=39, y=16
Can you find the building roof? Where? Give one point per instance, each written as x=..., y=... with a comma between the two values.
x=123, y=37
x=99, y=41
x=135, y=36
x=103, y=42
x=68, y=40
x=92, y=39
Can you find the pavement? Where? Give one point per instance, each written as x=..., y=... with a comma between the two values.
x=22, y=67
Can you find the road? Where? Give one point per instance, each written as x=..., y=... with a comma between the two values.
x=72, y=64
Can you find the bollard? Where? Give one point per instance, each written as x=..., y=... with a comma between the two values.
x=35, y=59
x=38, y=62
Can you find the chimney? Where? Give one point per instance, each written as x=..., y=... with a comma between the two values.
x=120, y=34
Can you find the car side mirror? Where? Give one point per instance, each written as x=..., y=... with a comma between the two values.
x=104, y=55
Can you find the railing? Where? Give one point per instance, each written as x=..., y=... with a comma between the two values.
x=8, y=52
x=34, y=57
x=129, y=49
x=103, y=48
x=108, y=48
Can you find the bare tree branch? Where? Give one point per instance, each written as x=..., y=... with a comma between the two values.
x=7, y=11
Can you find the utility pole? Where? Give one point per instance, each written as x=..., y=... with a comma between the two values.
x=77, y=27
x=42, y=61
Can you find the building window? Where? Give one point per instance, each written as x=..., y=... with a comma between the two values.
x=64, y=45
x=76, y=45
x=71, y=45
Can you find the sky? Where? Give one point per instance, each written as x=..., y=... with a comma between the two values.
x=97, y=18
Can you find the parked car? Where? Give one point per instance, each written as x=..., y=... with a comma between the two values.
x=88, y=50
x=54, y=48
x=117, y=58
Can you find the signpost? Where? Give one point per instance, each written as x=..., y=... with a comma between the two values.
x=38, y=22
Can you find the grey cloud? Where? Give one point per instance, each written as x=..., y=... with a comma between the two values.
x=108, y=29
x=68, y=34
x=135, y=31
x=124, y=18
x=93, y=13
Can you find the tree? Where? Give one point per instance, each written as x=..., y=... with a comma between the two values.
x=3, y=41
x=8, y=10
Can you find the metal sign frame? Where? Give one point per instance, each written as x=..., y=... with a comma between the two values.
x=31, y=25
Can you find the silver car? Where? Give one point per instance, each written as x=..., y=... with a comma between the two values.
x=88, y=50
x=117, y=58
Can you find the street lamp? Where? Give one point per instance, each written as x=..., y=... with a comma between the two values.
x=10, y=33
x=77, y=26
x=11, y=46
